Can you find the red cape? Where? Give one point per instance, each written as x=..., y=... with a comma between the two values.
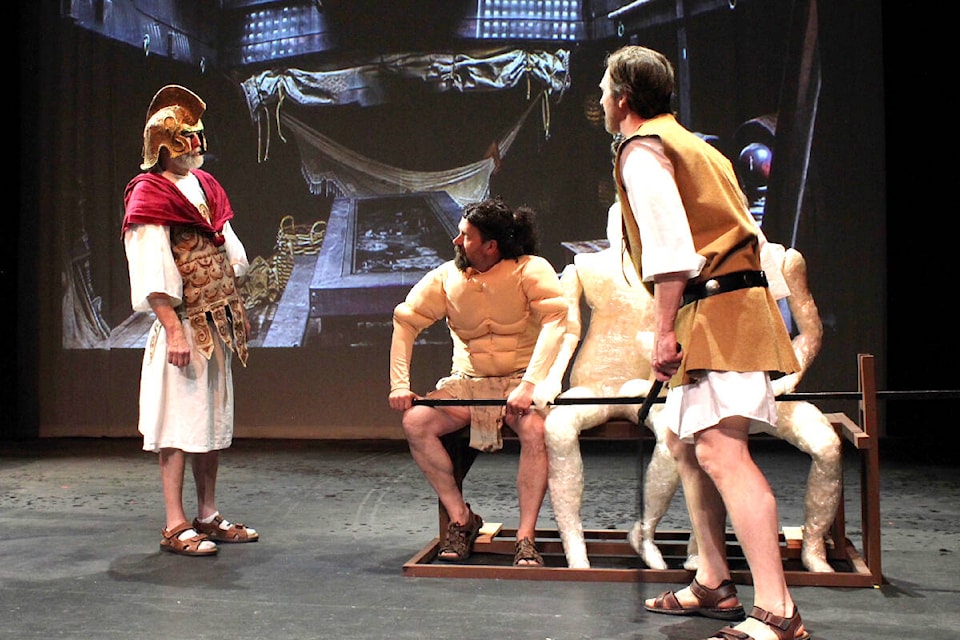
x=152, y=199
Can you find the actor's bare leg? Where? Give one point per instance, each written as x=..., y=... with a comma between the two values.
x=205, y=467
x=173, y=463
x=424, y=426
x=531, y=471
x=708, y=517
x=723, y=453
x=172, y=466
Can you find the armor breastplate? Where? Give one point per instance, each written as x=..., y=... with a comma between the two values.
x=209, y=292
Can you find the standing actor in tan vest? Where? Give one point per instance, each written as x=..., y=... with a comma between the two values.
x=691, y=238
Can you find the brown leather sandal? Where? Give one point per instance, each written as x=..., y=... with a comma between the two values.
x=708, y=601
x=526, y=554
x=457, y=545
x=190, y=547
x=784, y=628
x=236, y=532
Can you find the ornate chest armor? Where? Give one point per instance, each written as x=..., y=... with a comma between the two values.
x=210, y=295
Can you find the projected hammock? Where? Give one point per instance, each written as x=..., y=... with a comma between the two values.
x=330, y=169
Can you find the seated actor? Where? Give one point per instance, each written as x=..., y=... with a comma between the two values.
x=506, y=314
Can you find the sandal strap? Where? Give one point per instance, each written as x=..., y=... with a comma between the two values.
x=527, y=550
x=729, y=633
x=169, y=534
x=711, y=598
x=188, y=546
x=668, y=601
x=459, y=537
x=218, y=520
x=222, y=530
x=783, y=628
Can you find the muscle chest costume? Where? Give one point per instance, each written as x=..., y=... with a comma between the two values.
x=506, y=320
x=739, y=330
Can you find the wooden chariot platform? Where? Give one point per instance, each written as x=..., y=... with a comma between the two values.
x=612, y=559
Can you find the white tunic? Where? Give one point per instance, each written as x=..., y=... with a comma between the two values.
x=189, y=408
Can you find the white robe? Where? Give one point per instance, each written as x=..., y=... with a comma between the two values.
x=190, y=408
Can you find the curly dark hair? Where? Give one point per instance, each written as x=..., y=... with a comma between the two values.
x=515, y=230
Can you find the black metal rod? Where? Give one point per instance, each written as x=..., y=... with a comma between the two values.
x=648, y=402
x=809, y=396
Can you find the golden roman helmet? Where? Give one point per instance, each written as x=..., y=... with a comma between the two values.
x=173, y=112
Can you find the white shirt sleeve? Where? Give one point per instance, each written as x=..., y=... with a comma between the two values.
x=151, y=264
x=236, y=254
x=654, y=199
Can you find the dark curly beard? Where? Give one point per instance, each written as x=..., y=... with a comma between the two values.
x=460, y=258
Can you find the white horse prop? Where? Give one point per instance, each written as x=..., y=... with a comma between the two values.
x=614, y=361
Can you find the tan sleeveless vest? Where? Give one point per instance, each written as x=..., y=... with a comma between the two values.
x=735, y=331
x=209, y=292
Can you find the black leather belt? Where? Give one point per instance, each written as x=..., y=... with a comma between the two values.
x=723, y=284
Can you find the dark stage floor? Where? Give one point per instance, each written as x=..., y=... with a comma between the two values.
x=79, y=554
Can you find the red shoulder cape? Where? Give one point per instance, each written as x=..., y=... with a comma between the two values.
x=152, y=199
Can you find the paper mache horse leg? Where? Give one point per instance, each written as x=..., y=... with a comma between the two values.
x=562, y=434
x=660, y=484
x=805, y=427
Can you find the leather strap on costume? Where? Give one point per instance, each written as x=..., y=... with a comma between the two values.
x=209, y=292
x=722, y=284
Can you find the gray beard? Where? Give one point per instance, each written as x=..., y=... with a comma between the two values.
x=187, y=162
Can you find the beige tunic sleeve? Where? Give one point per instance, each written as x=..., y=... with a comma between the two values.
x=424, y=305
x=549, y=306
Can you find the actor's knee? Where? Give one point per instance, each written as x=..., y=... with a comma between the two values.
x=532, y=432
x=420, y=423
